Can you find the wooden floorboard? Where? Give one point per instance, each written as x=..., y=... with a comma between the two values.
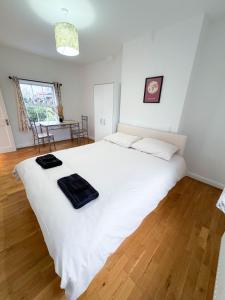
x=173, y=254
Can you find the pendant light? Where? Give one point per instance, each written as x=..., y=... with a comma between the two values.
x=66, y=37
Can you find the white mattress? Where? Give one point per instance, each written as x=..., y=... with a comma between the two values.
x=130, y=184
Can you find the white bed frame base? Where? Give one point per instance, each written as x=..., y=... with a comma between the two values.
x=219, y=289
x=169, y=137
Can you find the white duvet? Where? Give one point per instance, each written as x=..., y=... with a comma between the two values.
x=130, y=185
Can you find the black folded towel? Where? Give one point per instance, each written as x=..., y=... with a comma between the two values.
x=48, y=161
x=77, y=190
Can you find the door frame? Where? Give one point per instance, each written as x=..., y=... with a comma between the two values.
x=12, y=146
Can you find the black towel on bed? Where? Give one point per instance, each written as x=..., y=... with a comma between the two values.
x=77, y=190
x=48, y=161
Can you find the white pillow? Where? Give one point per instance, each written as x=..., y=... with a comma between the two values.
x=122, y=139
x=156, y=147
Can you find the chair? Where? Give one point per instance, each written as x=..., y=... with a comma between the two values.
x=83, y=131
x=41, y=136
x=76, y=132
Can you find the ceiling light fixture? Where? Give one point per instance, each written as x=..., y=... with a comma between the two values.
x=66, y=37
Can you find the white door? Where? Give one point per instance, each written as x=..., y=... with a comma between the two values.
x=103, y=101
x=7, y=143
x=98, y=105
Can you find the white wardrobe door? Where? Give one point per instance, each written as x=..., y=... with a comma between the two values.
x=107, y=109
x=98, y=104
x=103, y=99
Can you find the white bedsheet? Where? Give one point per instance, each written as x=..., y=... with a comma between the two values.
x=130, y=184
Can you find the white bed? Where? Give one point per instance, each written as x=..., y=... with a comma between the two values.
x=130, y=184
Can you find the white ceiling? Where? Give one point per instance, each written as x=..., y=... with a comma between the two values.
x=103, y=25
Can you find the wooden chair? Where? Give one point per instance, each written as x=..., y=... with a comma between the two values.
x=41, y=136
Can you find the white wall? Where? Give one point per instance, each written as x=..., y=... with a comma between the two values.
x=23, y=64
x=191, y=56
x=169, y=52
x=203, y=118
x=77, y=89
x=100, y=72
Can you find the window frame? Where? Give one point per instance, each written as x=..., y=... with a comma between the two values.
x=42, y=84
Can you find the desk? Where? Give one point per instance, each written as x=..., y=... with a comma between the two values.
x=56, y=124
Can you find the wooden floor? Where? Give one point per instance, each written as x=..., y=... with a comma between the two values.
x=173, y=254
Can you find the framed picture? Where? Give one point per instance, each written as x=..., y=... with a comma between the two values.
x=153, y=87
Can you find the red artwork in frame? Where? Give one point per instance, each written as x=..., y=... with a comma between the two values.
x=153, y=87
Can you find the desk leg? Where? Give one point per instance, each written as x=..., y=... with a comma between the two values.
x=49, y=142
x=71, y=133
x=43, y=142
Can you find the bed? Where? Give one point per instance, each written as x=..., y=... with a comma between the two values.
x=130, y=184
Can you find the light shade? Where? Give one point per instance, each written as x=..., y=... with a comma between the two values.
x=66, y=37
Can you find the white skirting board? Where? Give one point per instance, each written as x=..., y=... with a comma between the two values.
x=29, y=144
x=206, y=180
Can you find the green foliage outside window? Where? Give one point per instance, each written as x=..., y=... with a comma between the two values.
x=40, y=113
x=40, y=102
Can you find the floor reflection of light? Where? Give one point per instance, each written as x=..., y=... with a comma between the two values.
x=81, y=12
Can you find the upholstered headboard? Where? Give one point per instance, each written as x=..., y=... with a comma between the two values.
x=169, y=137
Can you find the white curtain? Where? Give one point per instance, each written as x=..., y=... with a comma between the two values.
x=57, y=87
x=21, y=109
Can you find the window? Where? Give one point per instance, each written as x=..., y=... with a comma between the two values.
x=39, y=100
